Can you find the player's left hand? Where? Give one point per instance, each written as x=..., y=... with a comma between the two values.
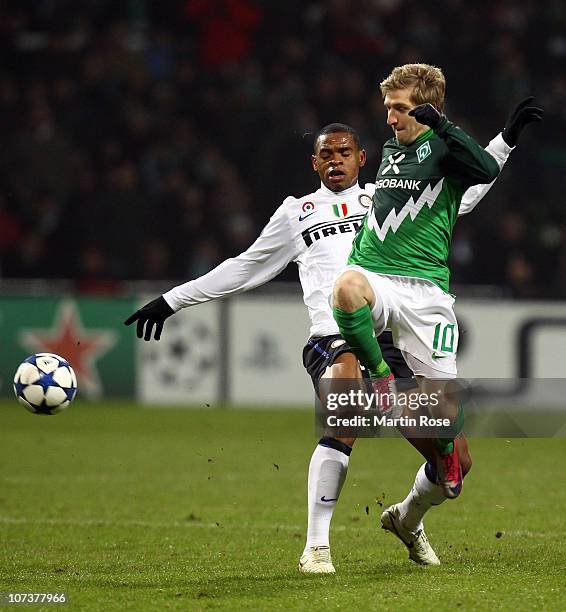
x=153, y=313
x=428, y=115
x=522, y=115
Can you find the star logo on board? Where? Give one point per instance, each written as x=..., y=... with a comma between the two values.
x=79, y=346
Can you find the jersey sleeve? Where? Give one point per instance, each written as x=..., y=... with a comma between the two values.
x=267, y=256
x=500, y=151
x=466, y=161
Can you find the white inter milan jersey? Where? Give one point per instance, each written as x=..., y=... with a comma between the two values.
x=316, y=232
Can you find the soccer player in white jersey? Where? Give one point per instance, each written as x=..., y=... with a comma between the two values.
x=316, y=232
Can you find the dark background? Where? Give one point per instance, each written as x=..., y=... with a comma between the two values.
x=151, y=140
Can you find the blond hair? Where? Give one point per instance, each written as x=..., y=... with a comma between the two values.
x=427, y=81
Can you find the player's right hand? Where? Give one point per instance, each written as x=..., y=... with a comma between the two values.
x=426, y=114
x=152, y=314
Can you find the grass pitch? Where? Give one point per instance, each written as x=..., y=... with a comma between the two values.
x=125, y=508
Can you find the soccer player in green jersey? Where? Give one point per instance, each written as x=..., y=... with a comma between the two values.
x=397, y=277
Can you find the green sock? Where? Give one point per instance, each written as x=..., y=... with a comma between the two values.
x=357, y=329
x=446, y=445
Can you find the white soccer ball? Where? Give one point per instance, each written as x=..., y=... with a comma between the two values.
x=45, y=383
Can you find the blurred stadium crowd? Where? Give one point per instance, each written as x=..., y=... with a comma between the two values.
x=151, y=140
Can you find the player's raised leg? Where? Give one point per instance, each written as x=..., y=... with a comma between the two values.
x=356, y=310
x=327, y=472
x=429, y=329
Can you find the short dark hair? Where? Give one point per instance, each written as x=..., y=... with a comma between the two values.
x=333, y=128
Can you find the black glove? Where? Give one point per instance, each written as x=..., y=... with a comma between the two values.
x=428, y=115
x=153, y=313
x=519, y=118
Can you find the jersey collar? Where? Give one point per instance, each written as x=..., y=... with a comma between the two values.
x=324, y=190
x=424, y=136
x=418, y=141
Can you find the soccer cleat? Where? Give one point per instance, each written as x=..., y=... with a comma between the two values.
x=316, y=560
x=449, y=473
x=382, y=390
x=420, y=551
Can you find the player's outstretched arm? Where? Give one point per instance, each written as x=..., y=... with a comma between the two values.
x=501, y=146
x=467, y=161
x=267, y=256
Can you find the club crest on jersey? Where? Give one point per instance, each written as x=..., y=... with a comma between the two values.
x=340, y=210
x=423, y=151
x=365, y=200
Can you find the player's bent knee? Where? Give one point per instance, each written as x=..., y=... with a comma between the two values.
x=350, y=291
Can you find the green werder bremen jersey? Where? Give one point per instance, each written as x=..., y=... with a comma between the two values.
x=417, y=196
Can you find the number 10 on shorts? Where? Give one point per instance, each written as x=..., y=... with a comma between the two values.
x=444, y=338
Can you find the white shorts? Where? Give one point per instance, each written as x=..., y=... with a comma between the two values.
x=421, y=318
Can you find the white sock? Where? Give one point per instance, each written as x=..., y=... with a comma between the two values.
x=327, y=472
x=422, y=496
